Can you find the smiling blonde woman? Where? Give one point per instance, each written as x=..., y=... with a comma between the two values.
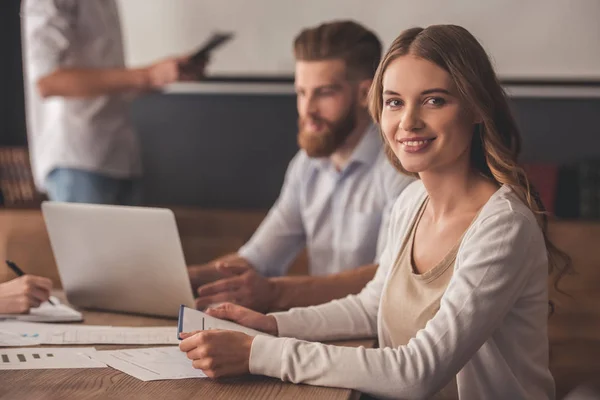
x=460, y=300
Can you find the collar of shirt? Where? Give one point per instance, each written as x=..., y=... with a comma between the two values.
x=366, y=152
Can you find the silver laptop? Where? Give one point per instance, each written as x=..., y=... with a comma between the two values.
x=126, y=259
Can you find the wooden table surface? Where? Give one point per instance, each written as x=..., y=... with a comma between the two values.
x=108, y=383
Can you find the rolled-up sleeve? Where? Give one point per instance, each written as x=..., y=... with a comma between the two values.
x=48, y=31
x=281, y=235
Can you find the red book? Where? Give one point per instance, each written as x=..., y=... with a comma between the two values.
x=544, y=178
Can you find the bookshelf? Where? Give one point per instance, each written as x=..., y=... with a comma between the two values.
x=17, y=189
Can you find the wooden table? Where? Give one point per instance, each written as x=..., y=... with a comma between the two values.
x=108, y=383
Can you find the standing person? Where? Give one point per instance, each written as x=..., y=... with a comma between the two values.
x=78, y=90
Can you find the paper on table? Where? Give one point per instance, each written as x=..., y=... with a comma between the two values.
x=114, y=335
x=191, y=320
x=151, y=364
x=90, y=334
x=48, y=358
x=38, y=331
x=48, y=313
x=12, y=339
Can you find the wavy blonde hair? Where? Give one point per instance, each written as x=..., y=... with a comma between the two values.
x=496, y=142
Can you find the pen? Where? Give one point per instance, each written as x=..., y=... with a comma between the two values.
x=20, y=272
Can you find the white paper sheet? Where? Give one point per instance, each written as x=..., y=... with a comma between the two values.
x=151, y=364
x=48, y=358
x=47, y=312
x=66, y=334
x=114, y=335
x=12, y=339
x=193, y=320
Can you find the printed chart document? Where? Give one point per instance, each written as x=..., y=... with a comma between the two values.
x=151, y=364
x=113, y=335
x=65, y=334
x=48, y=358
x=191, y=320
x=47, y=312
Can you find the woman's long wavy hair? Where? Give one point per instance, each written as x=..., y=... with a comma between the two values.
x=496, y=141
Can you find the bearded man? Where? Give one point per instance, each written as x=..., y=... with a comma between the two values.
x=337, y=192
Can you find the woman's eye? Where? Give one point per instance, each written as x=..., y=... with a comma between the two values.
x=436, y=101
x=392, y=103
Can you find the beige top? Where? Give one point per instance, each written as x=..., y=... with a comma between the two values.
x=411, y=299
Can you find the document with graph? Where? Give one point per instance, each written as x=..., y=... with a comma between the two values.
x=16, y=333
x=48, y=358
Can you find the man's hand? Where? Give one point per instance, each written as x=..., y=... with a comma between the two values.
x=21, y=294
x=243, y=286
x=164, y=72
x=193, y=70
x=212, y=271
x=218, y=353
x=175, y=69
x=203, y=274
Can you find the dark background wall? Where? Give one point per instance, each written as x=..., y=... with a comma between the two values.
x=12, y=108
x=231, y=150
x=215, y=150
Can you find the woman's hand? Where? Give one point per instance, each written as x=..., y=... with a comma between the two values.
x=218, y=353
x=245, y=317
x=21, y=294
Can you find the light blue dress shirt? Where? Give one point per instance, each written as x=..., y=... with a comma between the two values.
x=339, y=216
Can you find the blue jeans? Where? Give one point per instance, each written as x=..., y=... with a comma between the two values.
x=79, y=186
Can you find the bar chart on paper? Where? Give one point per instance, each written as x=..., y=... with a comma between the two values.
x=22, y=357
x=48, y=358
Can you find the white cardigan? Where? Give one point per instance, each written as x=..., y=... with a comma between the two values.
x=490, y=331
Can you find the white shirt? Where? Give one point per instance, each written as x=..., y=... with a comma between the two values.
x=93, y=134
x=337, y=215
x=490, y=331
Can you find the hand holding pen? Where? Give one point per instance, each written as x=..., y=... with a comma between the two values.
x=25, y=292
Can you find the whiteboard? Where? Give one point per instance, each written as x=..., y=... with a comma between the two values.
x=527, y=39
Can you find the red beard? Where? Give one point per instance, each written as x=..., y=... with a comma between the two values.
x=325, y=143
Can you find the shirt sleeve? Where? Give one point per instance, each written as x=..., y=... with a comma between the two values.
x=48, y=32
x=495, y=266
x=281, y=235
x=354, y=316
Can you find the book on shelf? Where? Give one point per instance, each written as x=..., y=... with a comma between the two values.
x=589, y=189
x=544, y=178
x=578, y=190
x=17, y=188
